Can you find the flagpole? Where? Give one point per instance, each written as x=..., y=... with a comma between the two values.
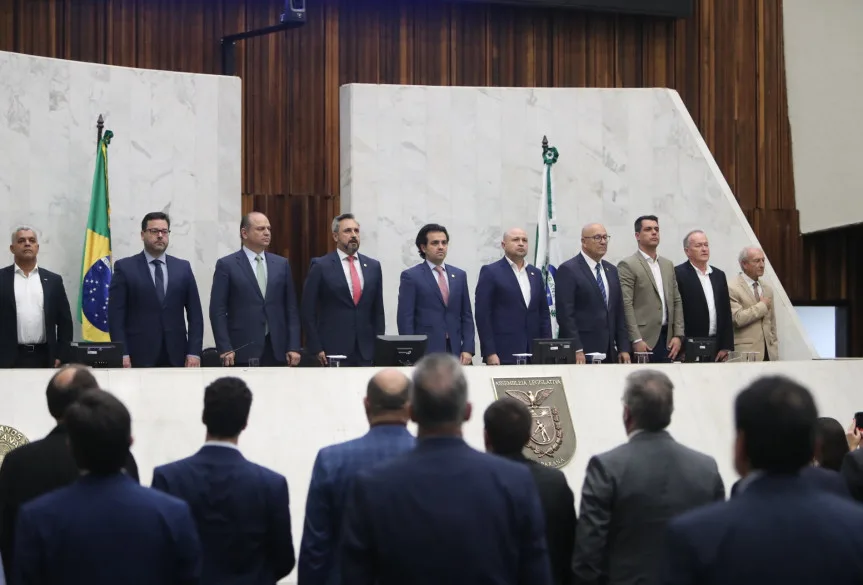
x=100, y=125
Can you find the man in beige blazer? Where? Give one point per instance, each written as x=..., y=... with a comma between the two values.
x=654, y=320
x=752, y=308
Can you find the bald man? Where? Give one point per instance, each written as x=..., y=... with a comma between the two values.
x=386, y=406
x=590, y=302
x=511, y=309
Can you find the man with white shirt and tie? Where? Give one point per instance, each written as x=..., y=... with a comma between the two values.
x=511, y=306
x=35, y=319
x=752, y=308
x=589, y=301
x=343, y=300
x=651, y=300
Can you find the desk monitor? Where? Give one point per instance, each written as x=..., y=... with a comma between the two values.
x=399, y=350
x=553, y=351
x=98, y=355
x=700, y=349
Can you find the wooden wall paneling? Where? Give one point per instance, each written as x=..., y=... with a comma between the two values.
x=745, y=180
x=601, y=50
x=569, y=49
x=469, y=60
x=706, y=91
x=431, y=33
x=332, y=52
x=629, y=45
x=721, y=70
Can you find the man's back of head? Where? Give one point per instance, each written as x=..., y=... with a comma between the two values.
x=227, y=402
x=507, y=427
x=387, y=398
x=100, y=432
x=439, y=402
x=66, y=386
x=648, y=401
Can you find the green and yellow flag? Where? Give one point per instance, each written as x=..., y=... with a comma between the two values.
x=96, y=268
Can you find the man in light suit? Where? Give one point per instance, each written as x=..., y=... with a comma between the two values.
x=253, y=305
x=343, y=300
x=386, y=406
x=104, y=528
x=443, y=512
x=589, y=300
x=632, y=491
x=434, y=300
x=151, y=296
x=511, y=304
x=241, y=509
x=651, y=300
x=752, y=308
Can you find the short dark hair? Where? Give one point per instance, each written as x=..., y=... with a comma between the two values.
x=61, y=396
x=642, y=218
x=439, y=391
x=834, y=445
x=100, y=432
x=382, y=401
x=649, y=395
x=153, y=216
x=422, y=236
x=227, y=402
x=777, y=417
x=507, y=423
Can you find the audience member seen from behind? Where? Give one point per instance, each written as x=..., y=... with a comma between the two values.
x=241, y=509
x=781, y=528
x=852, y=463
x=104, y=529
x=831, y=445
x=508, y=424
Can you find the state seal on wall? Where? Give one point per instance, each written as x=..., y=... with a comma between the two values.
x=10, y=438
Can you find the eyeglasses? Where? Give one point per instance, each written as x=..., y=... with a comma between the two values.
x=599, y=238
x=156, y=232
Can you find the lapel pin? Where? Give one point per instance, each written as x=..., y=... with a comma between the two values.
x=365, y=265
x=452, y=275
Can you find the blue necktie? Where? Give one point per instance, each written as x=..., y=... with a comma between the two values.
x=160, y=281
x=601, y=285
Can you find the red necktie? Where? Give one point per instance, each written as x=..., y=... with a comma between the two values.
x=355, y=281
x=441, y=282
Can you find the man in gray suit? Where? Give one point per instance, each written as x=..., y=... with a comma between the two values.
x=632, y=491
x=652, y=305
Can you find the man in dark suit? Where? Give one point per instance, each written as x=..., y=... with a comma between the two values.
x=47, y=464
x=852, y=472
x=434, y=300
x=241, y=509
x=511, y=306
x=443, y=512
x=508, y=425
x=343, y=300
x=35, y=320
x=590, y=302
x=386, y=406
x=779, y=528
x=819, y=477
x=104, y=528
x=632, y=491
x=253, y=305
x=704, y=293
x=151, y=296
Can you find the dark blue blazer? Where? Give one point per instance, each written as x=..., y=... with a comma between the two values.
x=140, y=323
x=780, y=529
x=421, y=310
x=239, y=314
x=582, y=314
x=242, y=513
x=505, y=325
x=105, y=531
x=333, y=474
x=331, y=320
x=445, y=513
x=823, y=479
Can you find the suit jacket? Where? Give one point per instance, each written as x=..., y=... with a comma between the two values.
x=754, y=322
x=629, y=495
x=642, y=304
x=820, y=478
x=582, y=313
x=33, y=470
x=505, y=325
x=421, y=310
x=781, y=529
x=331, y=320
x=444, y=513
x=103, y=530
x=558, y=506
x=241, y=511
x=240, y=315
x=852, y=472
x=696, y=316
x=58, y=317
x=142, y=324
x=333, y=473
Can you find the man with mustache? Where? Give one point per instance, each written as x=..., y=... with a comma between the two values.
x=343, y=299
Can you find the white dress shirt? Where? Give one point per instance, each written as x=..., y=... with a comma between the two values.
x=707, y=287
x=523, y=280
x=152, y=268
x=591, y=263
x=657, y=276
x=225, y=444
x=435, y=273
x=750, y=282
x=251, y=256
x=346, y=268
x=30, y=307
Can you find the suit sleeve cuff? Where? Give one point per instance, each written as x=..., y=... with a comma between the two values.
x=637, y=340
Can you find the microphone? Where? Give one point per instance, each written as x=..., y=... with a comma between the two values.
x=235, y=350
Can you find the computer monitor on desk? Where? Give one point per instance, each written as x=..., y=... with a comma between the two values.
x=700, y=349
x=399, y=350
x=553, y=351
x=98, y=355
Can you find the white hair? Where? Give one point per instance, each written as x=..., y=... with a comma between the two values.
x=689, y=235
x=744, y=253
x=23, y=228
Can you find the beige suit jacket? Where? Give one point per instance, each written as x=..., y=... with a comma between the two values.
x=754, y=322
x=642, y=305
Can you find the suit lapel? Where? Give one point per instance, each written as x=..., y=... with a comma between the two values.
x=271, y=273
x=337, y=278
x=246, y=268
x=537, y=290
x=591, y=276
x=368, y=276
x=46, y=299
x=144, y=272
x=646, y=267
x=510, y=276
x=173, y=269
x=431, y=281
x=7, y=284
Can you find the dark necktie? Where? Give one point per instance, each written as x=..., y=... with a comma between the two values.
x=601, y=285
x=160, y=281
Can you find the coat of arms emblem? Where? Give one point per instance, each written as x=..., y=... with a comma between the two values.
x=10, y=438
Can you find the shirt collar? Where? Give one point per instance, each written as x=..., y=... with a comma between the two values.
x=514, y=266
x=748, y=480
x=342, y=255
x=150, y=257
x=591, y=263
x=19, y=270
x=748, y=280
x=698, y=270
x=433, y=267
x=251, y=255
x=633, y=433
x=226, y=444
x=647, y=256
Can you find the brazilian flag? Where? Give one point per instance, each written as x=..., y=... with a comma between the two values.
x=96, y=267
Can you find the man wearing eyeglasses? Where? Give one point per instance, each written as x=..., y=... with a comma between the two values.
x=151, y=297
x=590, y=302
